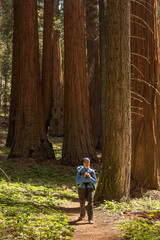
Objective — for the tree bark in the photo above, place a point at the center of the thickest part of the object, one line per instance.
(15, 75)
(56, 128)
(30, 138)
(114, 183)
(93, 71)
(47, 64)
(5, 96)
(1, 92)
(78, 142)
(157, 97)
(145, 71)
(102, 52)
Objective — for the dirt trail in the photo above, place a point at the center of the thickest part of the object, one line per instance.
(104, 227)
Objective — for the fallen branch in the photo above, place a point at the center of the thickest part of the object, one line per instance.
(5, 174)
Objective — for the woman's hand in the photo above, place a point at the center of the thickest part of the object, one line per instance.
(87, 175)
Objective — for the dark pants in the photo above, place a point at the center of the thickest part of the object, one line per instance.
(83, 195)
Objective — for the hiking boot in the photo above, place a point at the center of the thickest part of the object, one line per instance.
(90, 221)
(81, 218)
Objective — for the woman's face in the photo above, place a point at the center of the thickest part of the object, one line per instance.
(86, 164)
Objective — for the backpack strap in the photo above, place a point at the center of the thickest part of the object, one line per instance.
(92, 172)
(86, 184)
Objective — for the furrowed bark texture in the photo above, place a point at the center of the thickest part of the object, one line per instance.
(145, 113)
(30, 137)
(15, 75)
(102, 52)
(114, 181)
(56, 128)
(157, 97)
(94, 71)
(47, 65)
(77, 126)
(0, 94)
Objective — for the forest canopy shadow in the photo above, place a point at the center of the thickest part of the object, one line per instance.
(29, 171)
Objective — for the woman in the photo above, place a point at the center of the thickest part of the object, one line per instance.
(86, 180)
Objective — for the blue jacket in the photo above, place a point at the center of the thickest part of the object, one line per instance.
(80, 180)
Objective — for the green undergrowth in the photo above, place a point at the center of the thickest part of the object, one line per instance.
(141, 229)
(30, 205)
(57, 149)
(32, 212)
(4, 150)
(139, 218)
(39, 174)
(139, 204)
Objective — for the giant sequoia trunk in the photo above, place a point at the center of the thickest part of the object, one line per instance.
(157, 97)
(5, 95)
(93, 71)
(77, 128)
(30, 137)
(15, 75)
(114, 181)
(56, 128)
(1, 93)
(145, 60)
(47, 65)
(102, 52)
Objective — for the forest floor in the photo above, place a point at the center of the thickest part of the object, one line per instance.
(107, 218)
(104, 227)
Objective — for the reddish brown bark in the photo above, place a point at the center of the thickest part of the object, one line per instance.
(47, 64)
(77, 128)
(145, 60)
(0, 94)
(102, 52)
(93, 71)
(114, 183)
(157, 99)
(56, 123)
(30, 137)
(15, 75)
